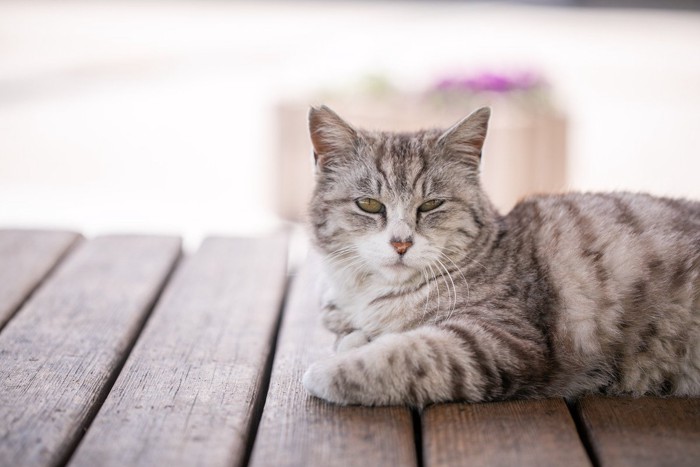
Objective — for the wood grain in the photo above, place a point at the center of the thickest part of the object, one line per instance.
(188, 392)
(642, 432)
(58, 356)
(297, 429)
(523, 433)
(26, 257)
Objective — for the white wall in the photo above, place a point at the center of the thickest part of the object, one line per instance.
(156, 116)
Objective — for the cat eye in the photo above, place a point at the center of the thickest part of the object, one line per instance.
(430, 205)
(370, 205)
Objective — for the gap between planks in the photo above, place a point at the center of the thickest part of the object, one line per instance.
(58, 353)
(645, 431)
(583, 434)
(27, 259)
(190, 391)
(298, 429)
(265, 383)
(118, 368)
(518, 432)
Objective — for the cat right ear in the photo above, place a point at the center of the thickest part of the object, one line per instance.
(330, 135)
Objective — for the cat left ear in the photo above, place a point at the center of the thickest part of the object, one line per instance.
(467, 136)
(330, 134)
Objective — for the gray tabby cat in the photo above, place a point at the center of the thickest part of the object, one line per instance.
(436, 297)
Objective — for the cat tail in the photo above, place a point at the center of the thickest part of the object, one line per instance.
(446, 362)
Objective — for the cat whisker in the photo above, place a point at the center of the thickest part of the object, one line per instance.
(447, 287)
(454, 289)
(437, 286)
(347, 261)
(340, 253)
(459, 270)
(364, 275)
(461, 253)
(354, 265)
(350, 261)
(339, 265)
(424, 273)
(342, 248)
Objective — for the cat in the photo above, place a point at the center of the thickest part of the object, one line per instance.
(437, 297)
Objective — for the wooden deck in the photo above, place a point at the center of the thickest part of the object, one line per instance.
(121, 351)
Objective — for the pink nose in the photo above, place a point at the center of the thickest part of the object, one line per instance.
(401, 247)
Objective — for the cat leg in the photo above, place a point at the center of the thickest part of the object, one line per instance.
(335, 319)
(338, 322)
(351, 340)
(417, 367)
(445, 362)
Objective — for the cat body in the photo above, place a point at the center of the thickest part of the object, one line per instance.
(436, 297)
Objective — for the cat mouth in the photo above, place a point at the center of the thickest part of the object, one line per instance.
(399, 272)
(397, 266)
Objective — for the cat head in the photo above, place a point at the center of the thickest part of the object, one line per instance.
(396, 206)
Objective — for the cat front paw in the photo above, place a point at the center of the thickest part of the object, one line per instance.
(320, 380)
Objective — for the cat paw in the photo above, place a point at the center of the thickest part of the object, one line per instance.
(319, 381)
(352, 340)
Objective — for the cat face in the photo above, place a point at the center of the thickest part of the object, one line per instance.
(396, 206)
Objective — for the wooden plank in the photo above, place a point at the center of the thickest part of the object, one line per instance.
(642, 432)
(26, 257)
(523, 433)
(298, 429)
(59, 356)
(188, 392)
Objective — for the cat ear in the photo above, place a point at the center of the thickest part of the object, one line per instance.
(467, 136)
(330, 134)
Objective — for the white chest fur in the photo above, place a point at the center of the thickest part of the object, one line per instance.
(369, 306)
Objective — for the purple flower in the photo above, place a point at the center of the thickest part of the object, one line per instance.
(490, 82)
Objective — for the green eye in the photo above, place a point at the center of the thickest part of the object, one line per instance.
(430, 205)
(370, 205)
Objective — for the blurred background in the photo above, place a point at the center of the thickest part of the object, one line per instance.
(189, 117)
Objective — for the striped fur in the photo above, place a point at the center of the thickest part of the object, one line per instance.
(565, 295)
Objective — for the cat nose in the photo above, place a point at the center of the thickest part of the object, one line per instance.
(401, 247)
